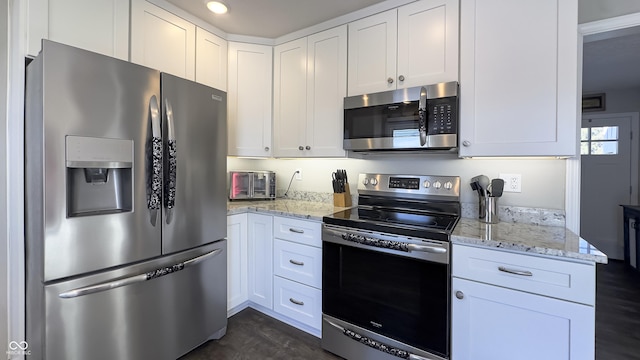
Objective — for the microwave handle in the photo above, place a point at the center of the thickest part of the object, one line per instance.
(422, 116)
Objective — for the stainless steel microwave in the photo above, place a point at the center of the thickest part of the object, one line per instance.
(252, 185)
(417, 118)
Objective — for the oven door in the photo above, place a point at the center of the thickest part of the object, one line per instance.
(388, 126)
(398, 289)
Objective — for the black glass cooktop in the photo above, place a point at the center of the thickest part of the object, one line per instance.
(407, 222)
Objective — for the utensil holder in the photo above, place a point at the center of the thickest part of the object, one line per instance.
(342, 199)
(488, 209)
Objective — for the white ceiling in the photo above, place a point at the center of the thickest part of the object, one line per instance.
(611, 63)
(271, 18)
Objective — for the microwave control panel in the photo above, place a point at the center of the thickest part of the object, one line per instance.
(442, 116)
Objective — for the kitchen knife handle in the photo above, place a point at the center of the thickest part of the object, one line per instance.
(171, 162)
(154, 161)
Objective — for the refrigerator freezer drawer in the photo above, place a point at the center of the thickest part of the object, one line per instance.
(159, 310)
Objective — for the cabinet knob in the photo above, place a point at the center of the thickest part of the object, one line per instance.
(460, 295)
(308, 147)
(300, 147)
(466, 143)
(390, 80)
(401, 77)
(266, 148)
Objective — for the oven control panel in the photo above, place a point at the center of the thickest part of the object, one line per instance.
(410, 184)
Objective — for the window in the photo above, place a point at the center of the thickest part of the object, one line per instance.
(601, 140)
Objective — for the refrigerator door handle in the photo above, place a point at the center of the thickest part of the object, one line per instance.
(92, 289)
(171, 164)
(154, 156)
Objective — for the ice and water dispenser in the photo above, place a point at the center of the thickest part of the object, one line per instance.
(99, 175)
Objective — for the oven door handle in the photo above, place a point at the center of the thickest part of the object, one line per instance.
(386, 244)
(429, 249)
(403, 354)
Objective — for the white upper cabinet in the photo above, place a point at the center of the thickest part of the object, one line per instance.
(162, 40)
(518, 78)
(100, 26)
(309, 89)
(249, 99)
(416, 44)
(211, 59)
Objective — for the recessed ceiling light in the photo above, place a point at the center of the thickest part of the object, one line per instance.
(217, 7)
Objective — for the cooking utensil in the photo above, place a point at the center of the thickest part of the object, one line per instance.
(484, 182)
(497, 186)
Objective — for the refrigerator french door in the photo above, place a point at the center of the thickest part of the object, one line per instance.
(125, 209)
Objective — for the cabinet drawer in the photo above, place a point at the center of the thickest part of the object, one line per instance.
(538, 275)
(297, 301)
(297, 262)
(300, 231)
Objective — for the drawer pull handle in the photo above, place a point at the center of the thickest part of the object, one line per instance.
(297, 302)
(515, 272)
(295, 262)
(297, 231)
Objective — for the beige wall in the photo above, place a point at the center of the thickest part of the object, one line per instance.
(543, 181)
(592, 10)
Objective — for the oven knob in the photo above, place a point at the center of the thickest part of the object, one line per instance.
(365, 181)
(437, 185)
(374, 181)
(448, 185)
(426, 184)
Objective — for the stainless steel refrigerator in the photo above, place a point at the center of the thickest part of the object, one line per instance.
(125, 209)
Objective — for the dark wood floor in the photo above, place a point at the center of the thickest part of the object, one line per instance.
(617, 312)
(252, 335)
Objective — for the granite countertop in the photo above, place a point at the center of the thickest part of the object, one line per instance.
(520, 237)
(533, 239)
(309, 210)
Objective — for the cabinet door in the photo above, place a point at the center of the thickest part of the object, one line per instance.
(326, 89)
(162, 40)
(427, 42)
(290, 98)
(249, 99)
(100, 26)
(491, 322)
(518, 78)
(260, 244)
(372, 53)
(211, 59)
(237, 252)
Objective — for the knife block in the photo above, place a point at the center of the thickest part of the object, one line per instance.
(342, 199)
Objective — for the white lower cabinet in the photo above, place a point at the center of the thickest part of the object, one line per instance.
(237, 250)
(297, 280)
(260, 259)
(298, 301)
(275, 263)
(512, 320)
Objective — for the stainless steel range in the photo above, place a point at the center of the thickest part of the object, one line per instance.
(386, 272)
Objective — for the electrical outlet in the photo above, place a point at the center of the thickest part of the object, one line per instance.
(298, 174)
(512, 182)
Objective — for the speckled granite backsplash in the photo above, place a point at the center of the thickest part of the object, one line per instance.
(521, 215)
(311, 196)
(510, 214)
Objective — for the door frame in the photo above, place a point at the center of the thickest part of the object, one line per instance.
(611, 27)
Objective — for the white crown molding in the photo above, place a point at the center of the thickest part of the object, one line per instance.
(610, 28)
